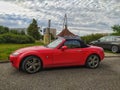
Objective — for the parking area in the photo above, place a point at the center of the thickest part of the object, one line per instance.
(106, 77)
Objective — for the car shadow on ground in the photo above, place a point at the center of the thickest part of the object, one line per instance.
(64, 68)
(103, 67)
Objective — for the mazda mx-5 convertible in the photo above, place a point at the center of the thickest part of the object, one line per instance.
(60, 53)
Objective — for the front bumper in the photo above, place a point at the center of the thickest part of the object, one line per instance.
(14, 61)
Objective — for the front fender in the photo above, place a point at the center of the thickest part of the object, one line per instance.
(22, 56)
(46, 58)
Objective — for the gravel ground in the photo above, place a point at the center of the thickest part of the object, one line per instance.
(106, 77)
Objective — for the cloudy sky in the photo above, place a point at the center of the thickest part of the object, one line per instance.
(84, 16)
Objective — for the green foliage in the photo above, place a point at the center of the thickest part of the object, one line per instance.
(22, 32)
(7, 49)
(13, 38)
(116, 34)
(32, 30)
(14, 31)
(4, 29)
(92, 37)
(17, 32)
(116, 28)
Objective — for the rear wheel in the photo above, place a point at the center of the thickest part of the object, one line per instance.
(31, 64)
(114, 49)
(93, 61)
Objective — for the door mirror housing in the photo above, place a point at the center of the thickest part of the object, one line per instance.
(64, 47)
(98, 40)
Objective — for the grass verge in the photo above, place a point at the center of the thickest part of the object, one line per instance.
(7, 49)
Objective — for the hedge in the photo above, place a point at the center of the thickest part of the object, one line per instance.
(88, 38)
(18, 39)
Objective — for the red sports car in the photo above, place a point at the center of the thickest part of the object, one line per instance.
(61, 52)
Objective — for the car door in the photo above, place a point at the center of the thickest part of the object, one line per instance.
(108, 42)
(69, 56)
(102, 42)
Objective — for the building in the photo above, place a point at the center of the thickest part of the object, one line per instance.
(65, 32)
(45, 30)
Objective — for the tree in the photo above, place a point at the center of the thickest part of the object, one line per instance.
(32, 30)
(116, 28)
(4, 29)
(14, 31)
(22, 32)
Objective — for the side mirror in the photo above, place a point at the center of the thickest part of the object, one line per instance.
(98, 40)
(64, 47)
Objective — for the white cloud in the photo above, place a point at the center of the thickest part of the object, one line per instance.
(89, 14)
(12, 8)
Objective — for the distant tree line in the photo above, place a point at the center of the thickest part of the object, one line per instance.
(116, 30)
(14, 36)
(88, 38)
(4, 30)
(92, 37)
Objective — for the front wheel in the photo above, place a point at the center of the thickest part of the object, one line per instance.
(31, 64)
(93, 61)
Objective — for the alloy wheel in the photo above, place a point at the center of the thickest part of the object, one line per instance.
(93, 61)
(32, 64)
(114, 49)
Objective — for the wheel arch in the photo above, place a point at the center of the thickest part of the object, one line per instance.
(93, 66)
(115, 45)
(22, 60)
(93, 54)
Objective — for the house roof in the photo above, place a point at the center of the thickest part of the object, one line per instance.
(66, 33)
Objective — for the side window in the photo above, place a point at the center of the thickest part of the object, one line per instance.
(102, 39)
(72, 44)
(107, 38)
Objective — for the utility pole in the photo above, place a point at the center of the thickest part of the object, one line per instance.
(49, 24)
(65, 22)
(47, 35)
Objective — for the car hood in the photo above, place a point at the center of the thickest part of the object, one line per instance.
(33, 48)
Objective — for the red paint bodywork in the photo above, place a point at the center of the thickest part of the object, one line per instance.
(55, 57)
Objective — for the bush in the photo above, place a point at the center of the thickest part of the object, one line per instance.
(116, 34)
(4, 29)
(91, 37)
(18, 39)
(17, 32)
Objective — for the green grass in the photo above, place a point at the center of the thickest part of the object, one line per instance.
(108, 51)
(7, 49)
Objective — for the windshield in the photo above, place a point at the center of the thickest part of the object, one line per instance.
(55, 43)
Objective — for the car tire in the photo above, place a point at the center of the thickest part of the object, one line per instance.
(114, 49)
(93, 61)
(31, 64)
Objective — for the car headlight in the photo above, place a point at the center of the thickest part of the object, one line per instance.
(15, 53)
